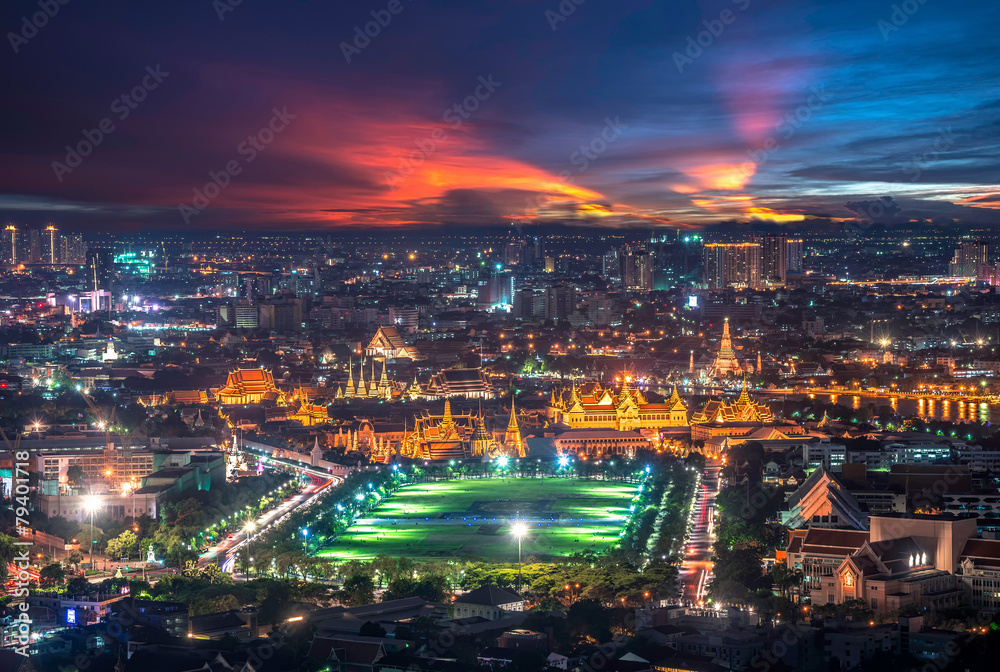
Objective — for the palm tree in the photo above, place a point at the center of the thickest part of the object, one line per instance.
(795, 581)
(782, 578)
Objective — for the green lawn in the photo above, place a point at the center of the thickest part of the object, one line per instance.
(432, 521)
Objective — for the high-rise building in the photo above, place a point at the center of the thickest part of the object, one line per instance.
(280, 315)
(512, 252)
(611, 268)
(677, 259)
(969, 256)
(638, 270)
(531, 254)
(72, 249)
(100, 269)
(599, 310)
(773, 258)
(732, 265)
(34, 246)
(560, 302)
(51, 245)
(497, 291)
(247, 316)
(12, 244)
(523, 303)
(796, 252)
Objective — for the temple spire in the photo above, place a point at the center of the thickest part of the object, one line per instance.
(744, 396)
(350, 377)
(726, 361)
(512, 437)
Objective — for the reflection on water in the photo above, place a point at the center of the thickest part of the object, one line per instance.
(935, 409)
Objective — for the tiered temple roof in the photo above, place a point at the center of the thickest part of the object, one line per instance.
(471, 383)
(387, 343)
(249, 386)
(744, 409)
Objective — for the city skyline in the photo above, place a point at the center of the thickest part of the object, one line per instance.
(631, 116)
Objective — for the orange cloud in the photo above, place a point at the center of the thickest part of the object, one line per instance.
(722, 176)
(769, 214)
(986, 201)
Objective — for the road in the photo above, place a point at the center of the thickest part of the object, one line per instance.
(224, 553)
(696, 570)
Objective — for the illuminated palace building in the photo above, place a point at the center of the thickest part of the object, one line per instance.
(453, 436)
(249, 386)
(594, 407)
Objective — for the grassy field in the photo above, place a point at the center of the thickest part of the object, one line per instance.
(451, 519)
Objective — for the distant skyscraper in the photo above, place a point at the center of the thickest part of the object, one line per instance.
(12, 244)
(773, 258)
(247, 316)
(677, 260)
(50, 245)
(970, 255)
(34, 246)
(638, 270)
(732, 265)
(560, 302)
(512, 252)
(76, 250)
(611, 267)
(496, 291)
(536, 250)
(100, 269)
(796, 252)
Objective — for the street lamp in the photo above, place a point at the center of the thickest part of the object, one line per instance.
(91, 503)
(305, 539)
(519, 530)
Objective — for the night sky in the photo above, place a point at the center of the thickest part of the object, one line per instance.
(478, 113)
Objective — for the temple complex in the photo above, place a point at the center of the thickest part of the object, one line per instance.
(743, 410)
(452, 436)
(594, 407)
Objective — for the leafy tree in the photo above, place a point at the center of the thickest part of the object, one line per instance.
(179, 556)
(7, 553)
(78, 585)
(432, 588)
(74, 474)
(124, 545)
(358, 590)
(52, 574)
(589, 621)
(214, 575)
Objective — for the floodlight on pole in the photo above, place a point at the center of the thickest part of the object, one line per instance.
(91, 503)
(519, 530)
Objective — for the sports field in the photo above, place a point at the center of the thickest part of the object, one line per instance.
(452, 519)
